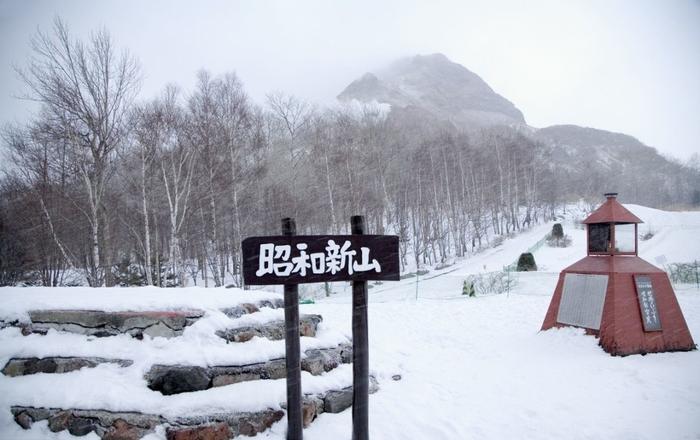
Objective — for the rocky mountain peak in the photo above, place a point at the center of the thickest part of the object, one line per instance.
(436, 84)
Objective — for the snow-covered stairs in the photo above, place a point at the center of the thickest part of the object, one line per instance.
(272, 330)
(110, 425)
(154, 323)
(175, 379)
(256, 327)
(56, 364)
(166, 324)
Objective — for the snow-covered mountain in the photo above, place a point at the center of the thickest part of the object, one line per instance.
(599, 159)
(575, 147)
(432, 92)
(438, 86)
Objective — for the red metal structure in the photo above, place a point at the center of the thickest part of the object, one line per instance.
(612, 293)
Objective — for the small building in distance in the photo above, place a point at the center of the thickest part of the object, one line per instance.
(628, 303)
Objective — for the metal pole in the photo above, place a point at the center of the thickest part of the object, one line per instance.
(292, 349)
(360, 350)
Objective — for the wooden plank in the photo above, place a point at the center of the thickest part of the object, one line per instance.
(320, 258)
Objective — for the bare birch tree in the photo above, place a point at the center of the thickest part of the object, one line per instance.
(234, 116)
(177, 159)
(87, 89)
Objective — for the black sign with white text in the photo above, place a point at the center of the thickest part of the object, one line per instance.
(647, 303)
(304, 259)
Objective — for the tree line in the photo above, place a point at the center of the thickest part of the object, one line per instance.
(104, 189)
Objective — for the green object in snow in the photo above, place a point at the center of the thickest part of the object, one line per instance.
(307, 301)
(468, 289)
(526, 263)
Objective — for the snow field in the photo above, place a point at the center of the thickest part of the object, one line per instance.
(471, 368)
(480, 368)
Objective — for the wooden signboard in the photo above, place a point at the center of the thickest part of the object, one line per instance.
(647, 303)
(292, 259)
(303, 259)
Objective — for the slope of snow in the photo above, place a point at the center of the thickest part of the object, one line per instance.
(676, 235)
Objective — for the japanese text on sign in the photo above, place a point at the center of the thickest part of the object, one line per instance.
(320, 258)
(276, 259)
(647, 303)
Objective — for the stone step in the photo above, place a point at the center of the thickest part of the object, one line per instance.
(98, 323)
(248, 308)
(26, 366)
(5, 324)
(110, 425)
(153, 323)
(333, 402)
(175, 379)
(273, 330)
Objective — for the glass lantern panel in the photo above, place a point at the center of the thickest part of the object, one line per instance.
(624, 238)
(598, 237)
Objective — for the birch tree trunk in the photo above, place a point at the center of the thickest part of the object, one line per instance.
(146, 228)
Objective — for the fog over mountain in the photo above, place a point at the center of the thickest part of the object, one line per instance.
(432, 91)
(446, 89)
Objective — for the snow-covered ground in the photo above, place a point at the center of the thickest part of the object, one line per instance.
(470, 367)
(479, 368)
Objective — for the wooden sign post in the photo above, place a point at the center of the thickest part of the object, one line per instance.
(360, 349)
(293, 259)
(292, 347)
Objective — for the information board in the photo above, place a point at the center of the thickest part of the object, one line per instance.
(647, 303)
(582, 300)
(302, 259)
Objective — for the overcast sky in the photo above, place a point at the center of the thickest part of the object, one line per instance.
(626, 66)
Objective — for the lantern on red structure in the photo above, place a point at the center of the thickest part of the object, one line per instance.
(612, 293)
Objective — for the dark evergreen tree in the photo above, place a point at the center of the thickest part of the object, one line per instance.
(557, 231)
(526, 263)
